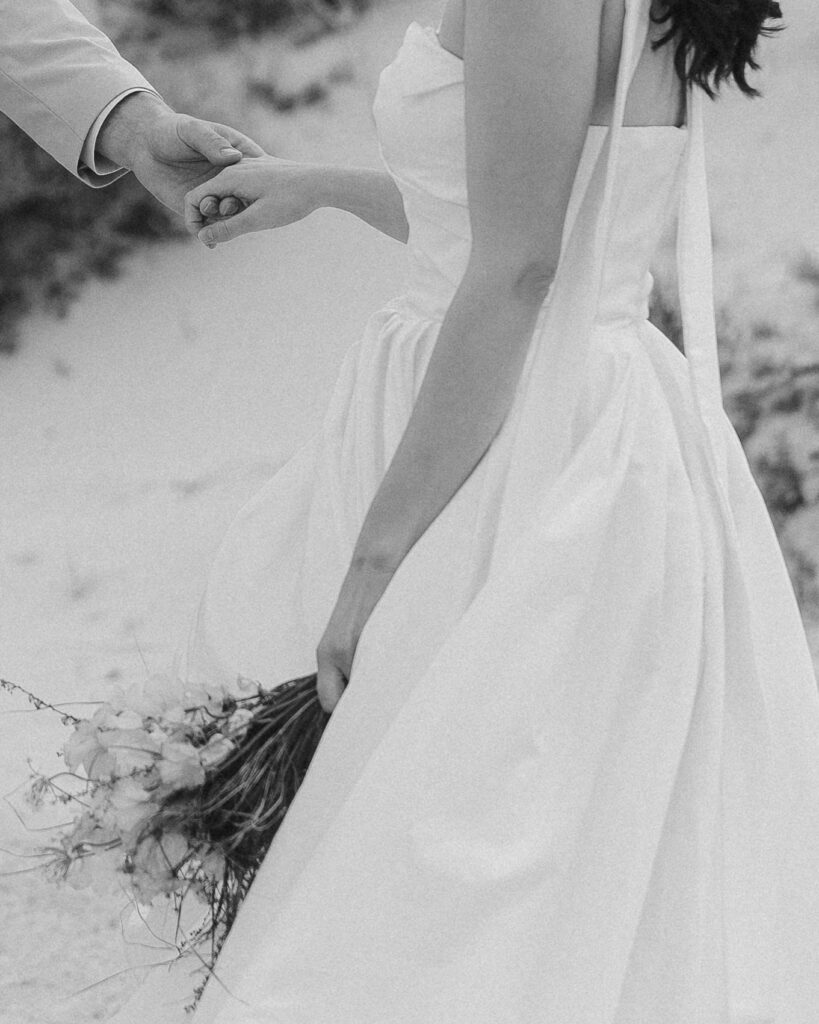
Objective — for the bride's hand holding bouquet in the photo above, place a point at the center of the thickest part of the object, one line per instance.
(365, 582)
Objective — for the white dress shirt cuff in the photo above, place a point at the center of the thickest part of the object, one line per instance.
(98, 170)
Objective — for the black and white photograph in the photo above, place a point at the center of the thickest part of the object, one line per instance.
(409, 536)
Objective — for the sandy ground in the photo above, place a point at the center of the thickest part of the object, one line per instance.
(135, 428)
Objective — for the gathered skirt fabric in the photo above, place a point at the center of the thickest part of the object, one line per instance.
(603, 762)
(574, 777)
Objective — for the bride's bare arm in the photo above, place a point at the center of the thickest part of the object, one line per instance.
(530, 87)
(530, 79)
(371, 195)
(274, 192)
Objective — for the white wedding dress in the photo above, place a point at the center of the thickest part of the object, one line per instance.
(574, 778)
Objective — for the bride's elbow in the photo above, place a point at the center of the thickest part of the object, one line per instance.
(527, 280)
(534, 280)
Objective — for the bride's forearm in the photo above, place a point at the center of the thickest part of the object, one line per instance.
(463, 400)
(370, 194)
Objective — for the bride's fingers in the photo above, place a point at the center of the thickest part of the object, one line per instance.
(229, 206)
(195, 220)
(212, 208)
(224, 229)
(330, 685)
(225, 184)
(209, 206)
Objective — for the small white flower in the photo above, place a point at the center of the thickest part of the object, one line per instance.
(91, 828)
(150, 697)
(85, 748)
(215, 750)
(213, 864)
(101, 811)
(132, 806)
(157, 733)
(108, 717)
(81, 744)
(78, 874)
(195, 697)
(239, 721)
(132, 748)
(128, 791)
(245, 685)
(84, 827)
(176, 846)
(97, 869)
(160, 857)
(126, 720)
(180, 766)
(173, 716)
(101, 766)
(145, 887)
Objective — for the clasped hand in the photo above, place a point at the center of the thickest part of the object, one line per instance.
(258, 193)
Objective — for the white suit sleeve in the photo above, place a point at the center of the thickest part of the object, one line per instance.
(58, 74)
(95, 169)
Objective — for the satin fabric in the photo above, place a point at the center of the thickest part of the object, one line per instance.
(574, 777)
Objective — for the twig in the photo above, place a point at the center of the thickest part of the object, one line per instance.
(28, 828)
(38, 702)
(116, 974)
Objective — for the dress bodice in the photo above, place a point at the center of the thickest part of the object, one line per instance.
(418, 110)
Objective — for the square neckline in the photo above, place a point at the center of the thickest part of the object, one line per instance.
(430, 33)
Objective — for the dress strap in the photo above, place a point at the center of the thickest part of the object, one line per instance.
(696, 290)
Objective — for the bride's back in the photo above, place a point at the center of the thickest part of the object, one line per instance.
(656, 96)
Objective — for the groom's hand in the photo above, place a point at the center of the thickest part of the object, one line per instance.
(169, 153)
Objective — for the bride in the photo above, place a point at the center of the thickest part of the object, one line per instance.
(571, 774)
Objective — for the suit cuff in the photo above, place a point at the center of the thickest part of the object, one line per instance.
(94, 169)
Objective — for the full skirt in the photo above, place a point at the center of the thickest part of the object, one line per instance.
(577, 787)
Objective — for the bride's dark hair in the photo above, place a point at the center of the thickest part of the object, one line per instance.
(715, 40)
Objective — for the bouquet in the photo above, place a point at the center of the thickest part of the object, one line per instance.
(183, 789)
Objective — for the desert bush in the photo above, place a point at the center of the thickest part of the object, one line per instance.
(55, 232)
(228, 19)
(770, 378)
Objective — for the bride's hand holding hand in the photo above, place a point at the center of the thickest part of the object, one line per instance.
(254, 195)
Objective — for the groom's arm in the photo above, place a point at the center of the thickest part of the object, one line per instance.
(60, 77)
(64, 83)
(96, 169)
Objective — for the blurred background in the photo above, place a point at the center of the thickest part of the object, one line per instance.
(148, 386)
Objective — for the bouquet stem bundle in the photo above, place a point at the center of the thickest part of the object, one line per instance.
(243, 801)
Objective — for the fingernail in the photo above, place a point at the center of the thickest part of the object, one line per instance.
(231, 151)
